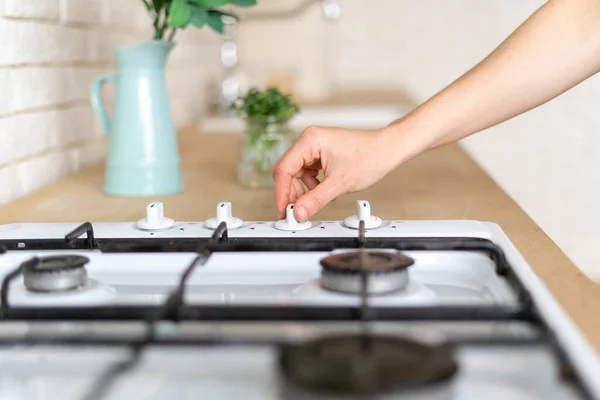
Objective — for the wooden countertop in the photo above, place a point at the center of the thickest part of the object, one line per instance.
(442, 184)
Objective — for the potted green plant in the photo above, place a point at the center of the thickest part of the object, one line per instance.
(266, 136)
(143, 158)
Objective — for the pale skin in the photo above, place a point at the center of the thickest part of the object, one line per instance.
(553, 50)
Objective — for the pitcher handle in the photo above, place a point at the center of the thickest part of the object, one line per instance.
(96, 98)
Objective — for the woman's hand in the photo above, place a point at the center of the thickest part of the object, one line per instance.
(351, 160)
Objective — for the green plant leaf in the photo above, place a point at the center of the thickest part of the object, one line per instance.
(179, 13)
(184, 26)
(215, 21)
(266, 103)
(147, 5)
(243, 3)
(210, 3)
(199, 16)
(158, 5)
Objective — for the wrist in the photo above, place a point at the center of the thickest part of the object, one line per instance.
(408, 137)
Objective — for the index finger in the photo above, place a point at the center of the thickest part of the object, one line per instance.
(287, 168)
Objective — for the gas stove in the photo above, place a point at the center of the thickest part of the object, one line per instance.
(226, 308)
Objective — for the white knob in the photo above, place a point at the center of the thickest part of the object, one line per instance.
(224, 214)
(363, 213)
(290, 223)
(155, 218)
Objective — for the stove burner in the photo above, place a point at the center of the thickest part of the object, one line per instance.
(355, 364)
(387, 271)
(56, 274)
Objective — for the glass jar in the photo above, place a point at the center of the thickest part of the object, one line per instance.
(262, 143)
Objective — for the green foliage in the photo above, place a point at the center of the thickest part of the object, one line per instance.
(179, 14)
(268, 103)
(267, 134)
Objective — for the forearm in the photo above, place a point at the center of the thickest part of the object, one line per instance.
(555, 49)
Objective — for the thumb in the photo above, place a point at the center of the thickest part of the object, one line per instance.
(313, 201)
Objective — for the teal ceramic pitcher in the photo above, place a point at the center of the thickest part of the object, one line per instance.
(143, 159)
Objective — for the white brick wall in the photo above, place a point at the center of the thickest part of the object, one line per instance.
(37, 43)
(547, 160)
(81, 11)
(51, 51)
(40, 9)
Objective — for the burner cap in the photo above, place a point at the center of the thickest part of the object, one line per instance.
(387, 271)
(355, 364)
(56, 273)
(374, 262)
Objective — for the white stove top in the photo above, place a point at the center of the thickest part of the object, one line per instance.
(37, 360)
(258, 278)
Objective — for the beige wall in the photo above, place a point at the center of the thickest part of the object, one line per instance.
(50, 50)
(290, 53)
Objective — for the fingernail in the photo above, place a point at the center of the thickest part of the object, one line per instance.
(302, 214)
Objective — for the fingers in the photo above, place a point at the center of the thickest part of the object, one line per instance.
(309, 178)
(289, 165)
(283, 175)
(287, 169)
(297, 190)
(314, 200)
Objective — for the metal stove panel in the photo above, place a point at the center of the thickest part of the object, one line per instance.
(258, 229)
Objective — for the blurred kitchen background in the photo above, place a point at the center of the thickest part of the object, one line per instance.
(383, 56)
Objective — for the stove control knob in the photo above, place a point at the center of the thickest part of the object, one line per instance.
(363, 213)
(290, 223)
(224, 215)
(155, 218)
